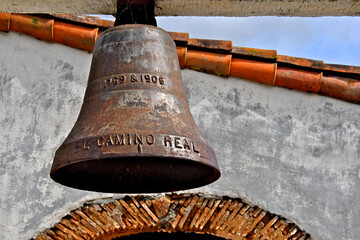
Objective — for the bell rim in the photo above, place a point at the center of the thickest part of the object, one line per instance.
(57, 175)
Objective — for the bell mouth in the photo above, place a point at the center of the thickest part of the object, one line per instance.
(136, 174)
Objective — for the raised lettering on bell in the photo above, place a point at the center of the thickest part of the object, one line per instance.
(180, 143)
(125, 139)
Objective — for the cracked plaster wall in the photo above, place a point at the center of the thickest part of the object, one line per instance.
(291, 153)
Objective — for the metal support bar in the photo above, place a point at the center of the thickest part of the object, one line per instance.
(135, 12)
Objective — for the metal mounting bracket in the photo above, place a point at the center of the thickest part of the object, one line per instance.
(135, 12)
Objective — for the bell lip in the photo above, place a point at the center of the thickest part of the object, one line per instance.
(214, 176)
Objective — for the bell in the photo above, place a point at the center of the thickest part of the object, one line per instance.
(135, 132)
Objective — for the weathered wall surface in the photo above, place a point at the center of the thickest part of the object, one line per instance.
(308, 8)
(41, 91)
(292, 153)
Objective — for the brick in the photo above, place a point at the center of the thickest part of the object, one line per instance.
(204, 211)
(206, 219)
(52, 234)
(129, 218)
(132, 213)
(118, 212)
(110, 220)
(203, 203)
(87, 229)
(147, 209)
(229, 218)
(76, 229)
(139, 214)
(95, 219)
(187, 211)
(89, 221)
(103, 221)
(113, 215)
(223, 207)
(61, 235)
(68, 232)
(161, 206)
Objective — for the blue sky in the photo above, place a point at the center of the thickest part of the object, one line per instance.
(331, 39)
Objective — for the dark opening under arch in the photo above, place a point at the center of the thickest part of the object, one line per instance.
(170, 236)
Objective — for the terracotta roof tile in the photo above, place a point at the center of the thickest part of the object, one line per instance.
(210, 44)
(75, 36)
(305, 81)
(301, 62)
(179, 36)
(89, 20)
(211, 56)
(38, 27)
(342, 68)
(5, 22)
(253, 70)
(215, 63)
(181, 51)
(342, 88)
(254, 52)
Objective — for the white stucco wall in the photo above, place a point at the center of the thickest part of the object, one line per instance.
(292, 153)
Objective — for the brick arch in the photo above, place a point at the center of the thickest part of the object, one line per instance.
(230, 218)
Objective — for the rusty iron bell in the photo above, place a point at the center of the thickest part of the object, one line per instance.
(135, 132)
